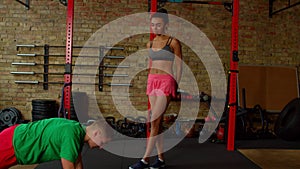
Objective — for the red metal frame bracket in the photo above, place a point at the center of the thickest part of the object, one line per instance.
(68, 65)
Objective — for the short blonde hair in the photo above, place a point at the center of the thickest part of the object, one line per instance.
(103, 126)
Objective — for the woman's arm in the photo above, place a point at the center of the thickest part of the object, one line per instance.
(150, 61)
(178, 59)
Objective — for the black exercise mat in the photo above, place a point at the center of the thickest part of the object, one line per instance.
(188, 154)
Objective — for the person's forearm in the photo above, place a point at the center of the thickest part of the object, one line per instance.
(67, 164)
(78, 164)
(68, 167)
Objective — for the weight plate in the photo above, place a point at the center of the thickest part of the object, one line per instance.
(9, 116)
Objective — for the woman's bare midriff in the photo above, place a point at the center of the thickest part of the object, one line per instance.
(161, 67)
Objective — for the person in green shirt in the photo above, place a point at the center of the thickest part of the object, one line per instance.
(50, 139)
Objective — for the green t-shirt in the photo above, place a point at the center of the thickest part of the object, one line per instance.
(47, 140)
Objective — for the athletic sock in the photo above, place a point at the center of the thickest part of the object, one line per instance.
(145, 162)
(160, 159)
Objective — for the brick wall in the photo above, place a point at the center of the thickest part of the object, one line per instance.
(262, 41)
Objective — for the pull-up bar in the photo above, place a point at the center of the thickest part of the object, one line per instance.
(201, 2)
(227, 5)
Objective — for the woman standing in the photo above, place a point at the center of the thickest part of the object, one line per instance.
(164, 52)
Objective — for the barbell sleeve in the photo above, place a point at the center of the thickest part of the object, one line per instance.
(28, 46)
(115, 75)
(27, 82)
(114, 57)
(24, 64)
(23, 73)
(26, 54)
(116, 66)
(119, 84)
(113, 48)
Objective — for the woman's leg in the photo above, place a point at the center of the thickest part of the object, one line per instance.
(160, 143)
(158, 107)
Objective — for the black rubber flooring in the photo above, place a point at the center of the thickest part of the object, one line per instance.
(188, 154)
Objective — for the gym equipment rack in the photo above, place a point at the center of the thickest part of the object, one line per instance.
(46, 56)
(233, 73)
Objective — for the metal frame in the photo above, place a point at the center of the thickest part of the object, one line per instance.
(68, 66)
(227, 5)
(232, 89)
(233, 76)
(46, 66)
(233, 67)
(153, 8)
(271, 4)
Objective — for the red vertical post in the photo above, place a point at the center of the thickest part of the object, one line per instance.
(233, 76)
(153, 8)
(68, 65)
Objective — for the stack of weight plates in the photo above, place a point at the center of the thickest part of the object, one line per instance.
(43, 109)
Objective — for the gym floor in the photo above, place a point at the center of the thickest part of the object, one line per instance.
(188, 154)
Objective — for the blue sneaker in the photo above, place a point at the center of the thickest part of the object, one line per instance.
(158, 164)
(139, 165)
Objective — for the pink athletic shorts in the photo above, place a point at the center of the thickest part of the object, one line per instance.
(7, 153)
(161, 85)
